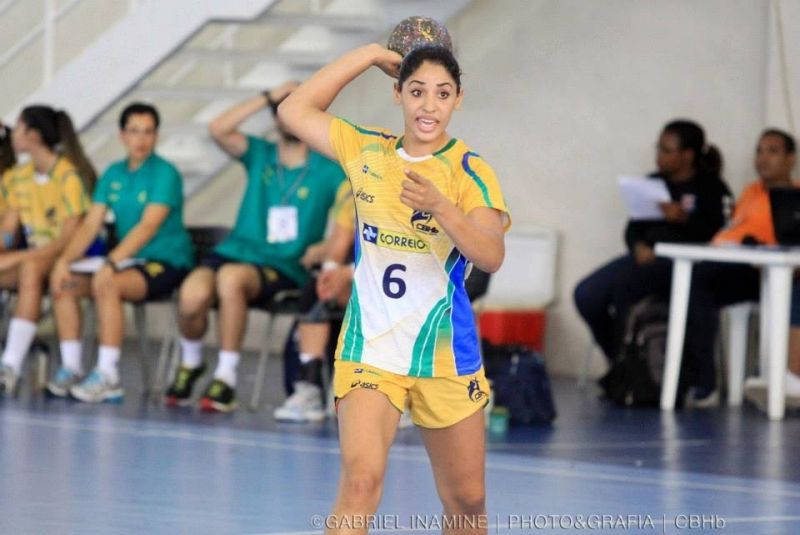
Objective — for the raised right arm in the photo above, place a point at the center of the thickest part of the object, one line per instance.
(304, 111)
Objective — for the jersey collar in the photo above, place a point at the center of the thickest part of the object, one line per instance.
(406, 156)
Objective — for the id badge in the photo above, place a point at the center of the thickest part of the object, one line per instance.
(281, 224)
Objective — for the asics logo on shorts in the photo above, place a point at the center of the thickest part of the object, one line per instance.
(364, 384)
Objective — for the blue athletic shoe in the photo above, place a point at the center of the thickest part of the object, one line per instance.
(97, 389)
(64, 380)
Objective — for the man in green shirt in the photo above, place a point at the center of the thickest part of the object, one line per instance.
(145, 194)
(284, 210)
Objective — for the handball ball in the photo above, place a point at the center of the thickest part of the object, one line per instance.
(418, 31)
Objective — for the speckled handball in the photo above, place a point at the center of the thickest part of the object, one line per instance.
(418, 31)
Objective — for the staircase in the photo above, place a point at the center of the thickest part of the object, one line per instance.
(191, 58)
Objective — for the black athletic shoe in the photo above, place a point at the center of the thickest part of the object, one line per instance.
(180, 391)
(219, 397)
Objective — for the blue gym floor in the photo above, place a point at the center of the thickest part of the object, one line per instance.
(136, 468)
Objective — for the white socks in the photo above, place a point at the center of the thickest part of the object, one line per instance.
(305, 358)
(226, 367)
(71, 353)
(107, 360)
(191, 353)
(20, 337)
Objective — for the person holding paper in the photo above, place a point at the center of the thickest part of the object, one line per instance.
(45, 201)
(145, 194)
(690, 169)
(284, 210)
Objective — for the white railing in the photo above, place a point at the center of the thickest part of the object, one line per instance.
(46, 33)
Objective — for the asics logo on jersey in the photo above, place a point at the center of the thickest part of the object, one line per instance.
(420, 221)
(364, 196)
(394, 240)
(474, 391)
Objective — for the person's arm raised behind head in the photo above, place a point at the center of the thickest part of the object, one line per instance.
(225, 128)
(304, 113)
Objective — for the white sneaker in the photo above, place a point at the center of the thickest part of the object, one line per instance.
(95, 388)
(305, 405)
(697, 399)
(758, 395)
(755, 381)
(9, 381)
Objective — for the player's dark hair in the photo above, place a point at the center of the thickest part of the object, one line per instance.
(58, 134)
(433, 54)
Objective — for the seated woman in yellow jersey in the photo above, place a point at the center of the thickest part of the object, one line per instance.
(145, 193)
(331, 288)
(46, 197)
(284, 210)
(427, 205)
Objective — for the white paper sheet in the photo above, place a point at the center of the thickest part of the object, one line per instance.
(92, 264)
(642, 196)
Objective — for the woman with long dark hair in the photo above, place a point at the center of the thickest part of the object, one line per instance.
(47, 197)
(690, 168)
(426, 205)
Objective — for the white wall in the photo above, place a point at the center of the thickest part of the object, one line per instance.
(564, 95)
(777, 108)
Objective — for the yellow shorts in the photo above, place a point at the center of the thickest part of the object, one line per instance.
(434, 402)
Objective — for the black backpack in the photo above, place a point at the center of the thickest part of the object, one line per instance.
(635, 376)
(520, 383)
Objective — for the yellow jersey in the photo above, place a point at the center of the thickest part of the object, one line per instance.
(409, 313)
(44, 202)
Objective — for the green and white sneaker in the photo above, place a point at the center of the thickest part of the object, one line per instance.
(180, 391)
(220, 397)
(63, 380)
(96, 389)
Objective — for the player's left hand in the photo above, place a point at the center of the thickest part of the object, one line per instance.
(421, 194)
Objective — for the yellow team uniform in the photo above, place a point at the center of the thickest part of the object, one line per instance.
(44, 202)
(343, 211)
(409, 328)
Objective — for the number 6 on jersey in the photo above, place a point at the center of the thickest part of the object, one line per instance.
(394, 287)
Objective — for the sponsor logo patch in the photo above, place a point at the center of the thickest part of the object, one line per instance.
(422, 222)
(394, 240)
(474, 391)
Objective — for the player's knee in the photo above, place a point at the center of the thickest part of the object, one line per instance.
(230, 284)
(362, 487)
(104, 287)
(194, 299)
(468, 498)
(31, 276)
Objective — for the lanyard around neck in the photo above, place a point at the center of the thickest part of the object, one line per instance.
(279, 173)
